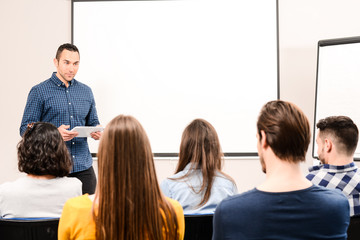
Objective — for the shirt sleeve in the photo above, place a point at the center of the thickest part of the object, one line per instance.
(65, 223)
(165, 188)
(235, 190)
(179, 217)
(32, 111)
(92, 118)
(217, 227)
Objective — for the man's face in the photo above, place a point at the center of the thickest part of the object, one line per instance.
(261, 157)
(67, 66)
(320, 150)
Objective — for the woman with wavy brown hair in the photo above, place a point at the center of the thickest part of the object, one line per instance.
(128, 203)
(199, 184)
(42, 192)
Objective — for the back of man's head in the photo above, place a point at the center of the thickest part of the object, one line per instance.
(342, 130)
(287, 130)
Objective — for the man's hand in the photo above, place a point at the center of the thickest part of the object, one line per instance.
(96, 135)
(66, 135)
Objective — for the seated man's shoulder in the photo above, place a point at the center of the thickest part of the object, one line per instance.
(240, 199)
(336, 195)
(329, 191)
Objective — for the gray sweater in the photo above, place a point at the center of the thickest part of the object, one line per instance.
(33, 198)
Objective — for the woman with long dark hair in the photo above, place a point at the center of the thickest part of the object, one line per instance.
(128, 203)
(199, 184)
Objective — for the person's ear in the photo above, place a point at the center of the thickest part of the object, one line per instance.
(263, 141)
(56, 62)
(328, 145)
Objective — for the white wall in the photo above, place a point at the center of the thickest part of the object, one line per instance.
(32, 30)
(302, 24)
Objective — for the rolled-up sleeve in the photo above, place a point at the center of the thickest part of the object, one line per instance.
(32, 111)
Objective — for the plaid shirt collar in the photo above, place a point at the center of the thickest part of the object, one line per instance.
(334, 169)
(58, 82)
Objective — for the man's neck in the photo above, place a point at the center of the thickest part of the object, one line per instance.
(283, 176)
(339, 160)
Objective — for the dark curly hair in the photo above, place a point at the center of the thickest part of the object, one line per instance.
(42, 151)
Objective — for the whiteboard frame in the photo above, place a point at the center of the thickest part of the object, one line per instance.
(226, 154)
(325, 43)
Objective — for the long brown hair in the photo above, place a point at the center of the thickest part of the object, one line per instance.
(130, 203)
(201, 148)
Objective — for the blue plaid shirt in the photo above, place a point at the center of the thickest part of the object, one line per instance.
(50, 101)
(346, 178)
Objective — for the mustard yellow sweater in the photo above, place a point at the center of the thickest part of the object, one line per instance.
(76, 221)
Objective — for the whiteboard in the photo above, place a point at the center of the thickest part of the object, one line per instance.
(169, 62)
(338, 82)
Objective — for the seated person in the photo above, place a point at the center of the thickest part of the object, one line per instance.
(128, 203)
(199, 184)
(43, 155)
(286, 205)
(337, 140)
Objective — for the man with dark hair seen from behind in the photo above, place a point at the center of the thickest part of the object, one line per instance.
(66, 103)
(337, 139)
(286, 205)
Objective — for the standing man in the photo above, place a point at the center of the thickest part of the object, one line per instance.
(337, 140)
(286, 205)
(66, 103)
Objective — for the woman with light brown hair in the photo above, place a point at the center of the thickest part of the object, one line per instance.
(128, 203)
(199, 184)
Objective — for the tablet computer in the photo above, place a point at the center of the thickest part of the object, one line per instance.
(84, 131)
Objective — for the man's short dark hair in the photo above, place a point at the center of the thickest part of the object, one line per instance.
(287, 130)
(343, 130)
(42, 151)
(67, 46)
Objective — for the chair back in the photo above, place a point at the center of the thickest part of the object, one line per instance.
(198, 227)
(353, 231)
(29, 229)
